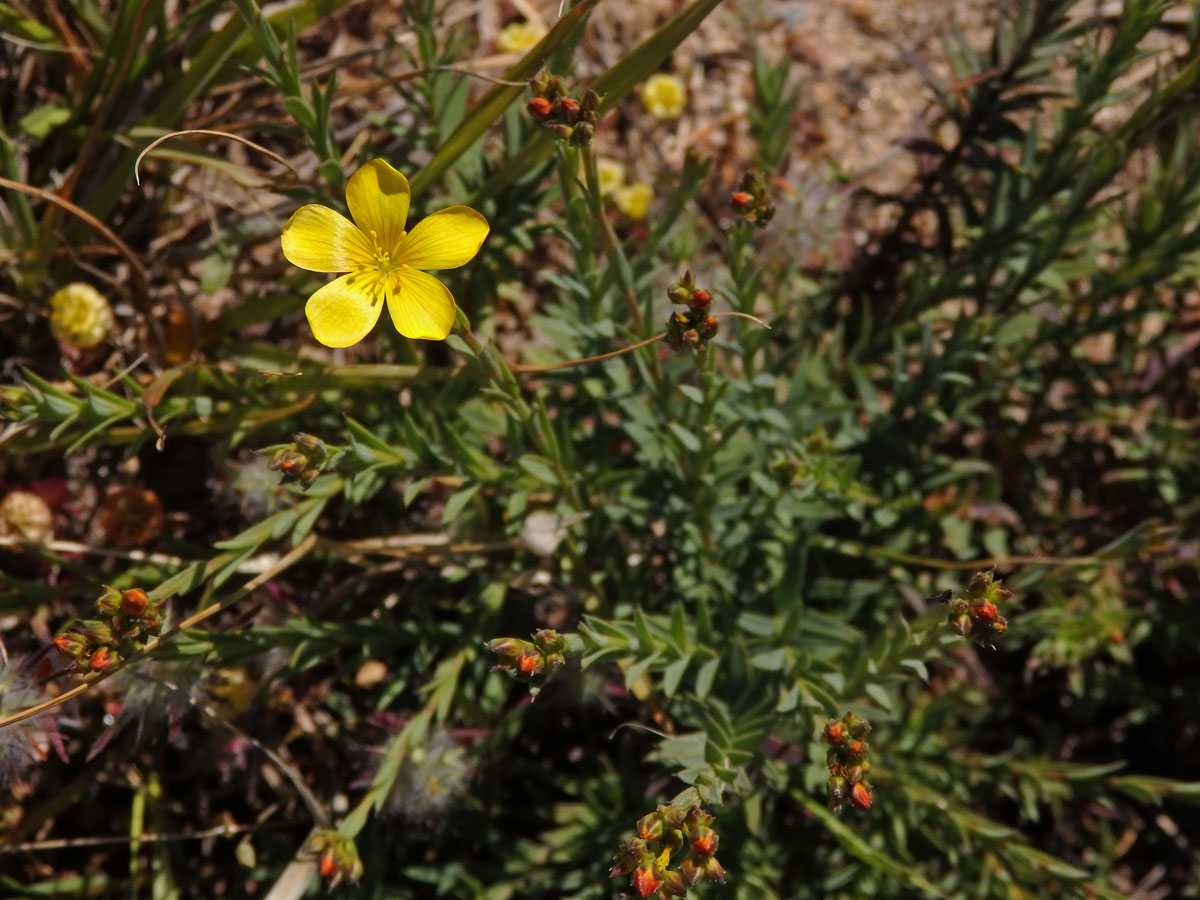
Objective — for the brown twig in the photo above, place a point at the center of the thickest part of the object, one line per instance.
(137, 176)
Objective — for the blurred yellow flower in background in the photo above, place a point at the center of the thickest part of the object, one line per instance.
(634, 199)
(383, 262)
(518, 37)
(80, 316)
(664, 96)
(610, 174)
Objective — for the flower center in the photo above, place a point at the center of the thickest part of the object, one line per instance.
(385, 262)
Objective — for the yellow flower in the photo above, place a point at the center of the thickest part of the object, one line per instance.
(518, 36)
(664, 96)
(80, 316)
(382, 261)
(610, 174)
(634, 199)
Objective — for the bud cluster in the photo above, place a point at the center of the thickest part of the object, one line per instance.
(302, 460)
(752, 200)
(129, 620)
(695, 327)
(528, 659)
(848, 763)
(338, 857)
(975, 616)
(573, 121)
(661, 834)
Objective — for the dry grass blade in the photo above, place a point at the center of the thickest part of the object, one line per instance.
(212, 133)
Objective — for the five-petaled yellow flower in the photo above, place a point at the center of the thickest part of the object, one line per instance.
(383, 262)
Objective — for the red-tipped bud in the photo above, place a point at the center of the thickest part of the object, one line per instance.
(645, 881)
(834, 732)
(529, 662)
(999, 626)
(328, 864)
(650, 827)
(857, 748)
(102, 659)
(985, 612)
(71, 643)
(705, 842)
(710, 323)
(540, 107)
(860, 796)
(566, 110)
(134, 602)
(701, 299)
(741, 199)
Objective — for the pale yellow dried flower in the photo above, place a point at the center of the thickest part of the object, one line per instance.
(634, 199)
(25, 515)
(664, 96)
(518, 37)
(80, 316)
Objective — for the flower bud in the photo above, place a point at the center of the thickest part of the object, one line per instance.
(102, 659)
(540, 108)
(566, 110)
(549, 641)
(72, 643)
(645, 881)
(673, 884)
(650, 827)
(631, 854)
(691, 870)
(858, 727)
(856, 749)
(591, 102)
(833, 732)
(581, 136)
(958, 606)
(713, 870)
(328, 864)
(979, 584)
(529, 662)
(562, 132)
(741, 200)
(854, 775)
(308, 443)
(835, 788)
(999, 626)
(110, 603)
(961, 624)
(705, 842)
(510, 647)
(860, 796)
(134, 602)
(97, 632)
(985, 612)
(700, 299)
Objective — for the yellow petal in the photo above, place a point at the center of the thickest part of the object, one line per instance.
(320, 240)
(378, 199)
(345, 310)
(446, 239)
(422, 307)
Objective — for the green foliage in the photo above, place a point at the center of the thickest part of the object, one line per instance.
(735, 543)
